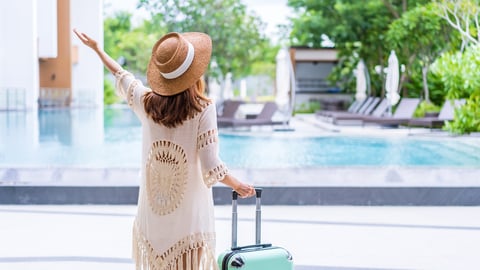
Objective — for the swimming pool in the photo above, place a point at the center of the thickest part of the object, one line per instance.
(112, 138)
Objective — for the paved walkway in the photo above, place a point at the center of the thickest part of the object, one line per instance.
(94, 237)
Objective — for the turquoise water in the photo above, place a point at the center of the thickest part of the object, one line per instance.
(346, 151)
(112, 138)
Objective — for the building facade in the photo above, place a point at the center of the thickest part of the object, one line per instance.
(312, 67)
(41, 61)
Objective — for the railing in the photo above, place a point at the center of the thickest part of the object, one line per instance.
(312, 85)
(84, 98)
(13, 98)
(54, 97)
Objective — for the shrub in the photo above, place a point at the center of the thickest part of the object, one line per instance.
(426, 107)
(459, 73)
(307, 107)
(109, 95)
(467, 117)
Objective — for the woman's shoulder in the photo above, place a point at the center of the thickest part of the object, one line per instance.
(207, 104)
(207, 107)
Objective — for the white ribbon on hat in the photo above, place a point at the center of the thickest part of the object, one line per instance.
(184, 66)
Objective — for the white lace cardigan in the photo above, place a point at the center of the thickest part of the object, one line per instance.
(174, 227)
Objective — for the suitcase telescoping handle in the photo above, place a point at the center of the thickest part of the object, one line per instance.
(258, 216)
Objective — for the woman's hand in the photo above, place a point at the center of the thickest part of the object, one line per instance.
(244, 190)
(86, 39)
(109, 63)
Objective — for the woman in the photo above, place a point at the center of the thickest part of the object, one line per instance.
(174, 225)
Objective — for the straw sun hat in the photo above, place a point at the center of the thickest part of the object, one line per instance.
(178, 61)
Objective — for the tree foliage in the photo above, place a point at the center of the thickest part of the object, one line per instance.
(358, 29)
(459, 70)
(131, 47)
(463, 16)
(109, 95)
(236, 35)
(113, 28)
(411, 36)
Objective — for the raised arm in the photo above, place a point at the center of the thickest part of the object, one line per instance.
(109, 63)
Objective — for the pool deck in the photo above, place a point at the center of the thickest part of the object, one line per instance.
(78, 237)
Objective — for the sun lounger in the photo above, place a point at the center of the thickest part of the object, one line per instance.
(377, 108)
(403, 113)
(264, 118)
(446, 114)
(365, 107)
(353, 108)
(229, 110)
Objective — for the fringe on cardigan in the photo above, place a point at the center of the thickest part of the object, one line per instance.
(193, 252)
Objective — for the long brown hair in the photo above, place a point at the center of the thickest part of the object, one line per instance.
(171, 111)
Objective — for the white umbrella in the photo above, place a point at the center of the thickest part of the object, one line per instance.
(227, 87)
(392, 80)
(285, 82)
(360, 75)
(243, 88)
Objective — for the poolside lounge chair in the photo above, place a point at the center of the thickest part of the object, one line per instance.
(264, 118)
(376, 108)
(446, 114)
(369, 105)
(361, 108)
(403, 113)
(229, 110)
(353, 108)
(367, 108)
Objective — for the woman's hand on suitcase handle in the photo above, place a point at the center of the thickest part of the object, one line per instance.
(243, 190)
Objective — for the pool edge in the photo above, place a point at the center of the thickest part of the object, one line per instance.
(360, 196)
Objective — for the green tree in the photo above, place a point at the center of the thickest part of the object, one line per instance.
(412, 36)
(132, 47)
(237, 36)
(459, 70)
(463, 16)
(109, 95)
(459, 73)
(113, 29)
(358, 29)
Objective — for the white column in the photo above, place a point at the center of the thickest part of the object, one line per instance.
(47, 29)
(19, 53)
(87, 73)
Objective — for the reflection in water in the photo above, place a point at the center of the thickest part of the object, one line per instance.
(51, 137)
(120, 118)
(18, 127)
(55, 126)
(69, 127)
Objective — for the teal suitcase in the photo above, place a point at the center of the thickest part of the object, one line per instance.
(253, 257)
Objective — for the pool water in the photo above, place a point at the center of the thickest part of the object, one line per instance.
(346, 151)
(112, 138)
